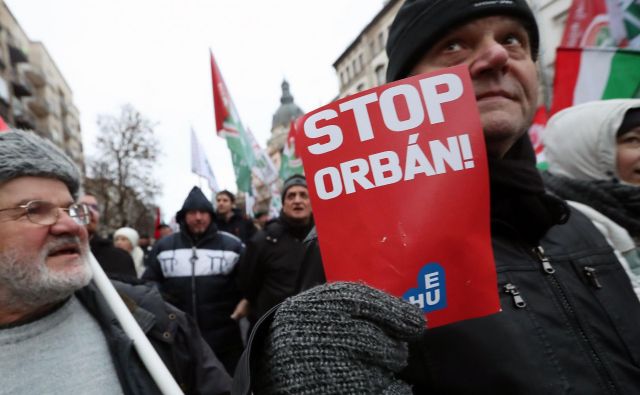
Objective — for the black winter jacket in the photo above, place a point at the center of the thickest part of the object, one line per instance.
(569, 324)
(238, 225)
(171, 332)
(269, 271)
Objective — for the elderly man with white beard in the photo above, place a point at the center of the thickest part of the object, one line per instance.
(57, 332)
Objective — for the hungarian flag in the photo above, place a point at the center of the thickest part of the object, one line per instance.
(290, 163)
(586, 74)
(229, 126)
(156, 233)
(587, 25)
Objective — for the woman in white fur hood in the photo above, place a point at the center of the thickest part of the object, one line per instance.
(127, 239)
(593, 152)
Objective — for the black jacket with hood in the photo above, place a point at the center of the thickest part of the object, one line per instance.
(198, 275)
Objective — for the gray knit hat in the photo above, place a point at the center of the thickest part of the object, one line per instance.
(296, 179)
(24, 154)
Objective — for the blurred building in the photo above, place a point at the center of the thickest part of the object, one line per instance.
(363, 64)
(33, 93)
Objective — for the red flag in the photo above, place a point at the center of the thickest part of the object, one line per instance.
(156, 233)
(587, 24)
(221, 99)
(3, 125)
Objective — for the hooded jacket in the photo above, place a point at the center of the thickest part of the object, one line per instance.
(580, 148)
(238, 225)
(198, 275)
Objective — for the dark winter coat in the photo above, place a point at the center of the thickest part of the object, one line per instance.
(171, 332)
(573, 327)
(269, 271)
(198, 277)
(115, 262)
(238, 225)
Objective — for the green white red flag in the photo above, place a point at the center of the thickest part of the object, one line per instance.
(586, 74)
(290, 163)
(229, 126)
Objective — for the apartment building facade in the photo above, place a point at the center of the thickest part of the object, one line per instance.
(33, 92)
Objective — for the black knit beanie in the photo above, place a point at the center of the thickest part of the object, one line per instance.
(631, 120)
(420, 23)
(296, 179)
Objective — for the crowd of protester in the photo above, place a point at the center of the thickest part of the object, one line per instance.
(196, 291)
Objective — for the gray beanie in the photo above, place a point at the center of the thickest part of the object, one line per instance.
(420, 23)
(24, 154)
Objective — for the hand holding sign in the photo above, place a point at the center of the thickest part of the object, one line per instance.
(399, 185)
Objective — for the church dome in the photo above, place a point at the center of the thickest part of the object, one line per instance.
(287, 111)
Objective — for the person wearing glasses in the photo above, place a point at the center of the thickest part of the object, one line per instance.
(58, 335)
(117, 263)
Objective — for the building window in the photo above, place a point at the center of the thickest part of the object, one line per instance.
(354, 64)
(361, 60)
(360, 87)
(381, 40)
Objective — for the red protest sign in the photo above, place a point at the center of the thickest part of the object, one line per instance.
(399, 187)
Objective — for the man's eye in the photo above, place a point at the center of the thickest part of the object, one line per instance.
(453, 46)
(513, 39)
(39, 208)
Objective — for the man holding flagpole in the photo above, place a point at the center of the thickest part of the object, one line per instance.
(58, 330)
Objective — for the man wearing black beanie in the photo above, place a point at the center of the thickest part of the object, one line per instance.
(569, 318)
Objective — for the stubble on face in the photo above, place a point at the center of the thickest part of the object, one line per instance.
(26, 281)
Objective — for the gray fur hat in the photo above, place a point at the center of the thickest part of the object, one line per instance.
(24, 154)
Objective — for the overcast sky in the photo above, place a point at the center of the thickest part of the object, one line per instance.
(154, 54)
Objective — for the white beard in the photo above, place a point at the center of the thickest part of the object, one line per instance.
(26, 280)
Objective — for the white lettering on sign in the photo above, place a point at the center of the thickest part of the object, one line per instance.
(385, 167)
(434, 92)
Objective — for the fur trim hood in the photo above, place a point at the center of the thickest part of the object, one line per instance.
(580, 141)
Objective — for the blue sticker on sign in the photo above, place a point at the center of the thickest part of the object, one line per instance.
(431, 293)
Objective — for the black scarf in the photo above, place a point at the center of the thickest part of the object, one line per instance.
(619, 202)
(518, 198)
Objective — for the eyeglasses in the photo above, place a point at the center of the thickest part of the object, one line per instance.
(92, 206)
(46, 213)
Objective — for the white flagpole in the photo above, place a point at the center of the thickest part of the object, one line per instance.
(156, 368)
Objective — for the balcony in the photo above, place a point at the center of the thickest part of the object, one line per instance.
(23, 119)
(34, 75)
(21, 87)
(39, 106)
(16, 54)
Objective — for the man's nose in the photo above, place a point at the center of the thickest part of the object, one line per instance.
(491, 56)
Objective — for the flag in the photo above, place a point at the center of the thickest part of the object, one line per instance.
(624, 21)
(290, 163)
(587, 25)
(586, 74)
(263, 166)
(200, 164)
(3, 125)
(156, 232)
(535, 134)
(229, 126)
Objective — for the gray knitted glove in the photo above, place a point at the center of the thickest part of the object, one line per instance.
(339, 338)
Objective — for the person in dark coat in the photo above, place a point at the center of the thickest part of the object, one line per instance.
(269, 272)
(569, 316)
(195, 270)
(230, 219)
(118, 264)
(58, 333)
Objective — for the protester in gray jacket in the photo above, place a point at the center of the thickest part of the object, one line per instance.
(58, 335)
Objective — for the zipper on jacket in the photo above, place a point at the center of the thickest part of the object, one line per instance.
(544, 260)
(576, 324)
(515, 295)
(592, 276)
(194, 306)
